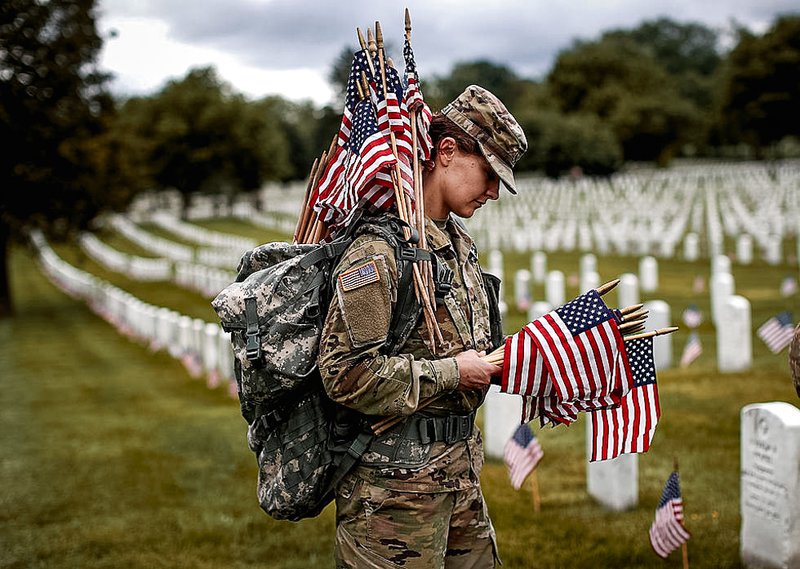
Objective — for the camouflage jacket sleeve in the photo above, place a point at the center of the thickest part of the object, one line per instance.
(353, 371)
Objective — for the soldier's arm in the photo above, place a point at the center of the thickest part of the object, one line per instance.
(353, 371)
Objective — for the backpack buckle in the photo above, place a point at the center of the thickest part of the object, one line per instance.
(253, 346)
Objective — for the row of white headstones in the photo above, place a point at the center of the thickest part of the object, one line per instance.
(203, 347)
(770, 441)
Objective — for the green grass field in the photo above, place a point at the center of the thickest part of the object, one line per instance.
(113, 457)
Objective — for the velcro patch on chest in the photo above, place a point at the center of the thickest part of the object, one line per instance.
(359, 276)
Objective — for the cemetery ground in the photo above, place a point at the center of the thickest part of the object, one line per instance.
(112, 456)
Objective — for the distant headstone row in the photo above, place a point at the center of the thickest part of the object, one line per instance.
(204, 348)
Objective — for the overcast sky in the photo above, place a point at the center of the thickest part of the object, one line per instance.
(287, 47)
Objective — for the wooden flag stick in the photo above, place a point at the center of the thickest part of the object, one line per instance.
(628, 324)
(629, 309)
(308, 224)
(659, 332)
(604, 288)
(537, 499)
(364, 46)
(304, 213)
(638, 315)
(634, 329)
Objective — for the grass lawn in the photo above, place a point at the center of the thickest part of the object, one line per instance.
(113, 457)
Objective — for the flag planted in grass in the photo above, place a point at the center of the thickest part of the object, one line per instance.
(788, 286)
(691, 350)
(521, 455)
(777, 332)
(667, 532)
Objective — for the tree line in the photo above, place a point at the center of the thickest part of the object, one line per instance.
(661, 90)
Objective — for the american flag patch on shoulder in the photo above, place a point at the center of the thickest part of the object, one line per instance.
(359, 276)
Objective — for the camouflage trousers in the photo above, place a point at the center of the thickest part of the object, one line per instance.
(380, 528)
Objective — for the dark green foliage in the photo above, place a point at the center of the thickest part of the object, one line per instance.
(761, 91)
(60, 166)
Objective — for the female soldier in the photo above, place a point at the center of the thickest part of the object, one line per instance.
(414, 499)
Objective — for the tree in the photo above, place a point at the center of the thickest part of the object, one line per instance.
(761, 91)
(498, 79)
(618, 82)
(196, 136)
(689, 52)
(59, 157)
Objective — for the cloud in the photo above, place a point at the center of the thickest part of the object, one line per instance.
(289, 38)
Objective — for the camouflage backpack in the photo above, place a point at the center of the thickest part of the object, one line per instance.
(304, 442)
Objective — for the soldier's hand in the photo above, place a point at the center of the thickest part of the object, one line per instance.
(474, 373)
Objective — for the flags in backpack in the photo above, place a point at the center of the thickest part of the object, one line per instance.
(692, 316)
(521, 455)
(777, 332)
(361, 153)
(415, 102)
(630, 426)
(692, 350)
(667, 532)
(788, 286)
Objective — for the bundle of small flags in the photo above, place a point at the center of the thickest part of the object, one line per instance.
(521, 455)
(575, 359)
(777, 332)
(667, 532)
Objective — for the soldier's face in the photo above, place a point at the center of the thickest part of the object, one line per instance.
(471, 183)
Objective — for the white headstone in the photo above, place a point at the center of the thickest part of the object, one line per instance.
(613, 483)
(589, 281)
(496, 263)
(770, 485)
(744, 249)
(501, 417)
(538, 309)
(225, 356)
(648, 274)
(722, 288)
(210, 347)
(659, 317)
(773, 251)
(588, 264)
(628, 290)
(691, 247)
(522, 289)
(734, 336)
(720, 264)
(554, 288)
(496, 268)
(539, 266)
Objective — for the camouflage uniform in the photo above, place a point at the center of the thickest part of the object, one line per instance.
(794, 359)
(418, 504)
(410, 503)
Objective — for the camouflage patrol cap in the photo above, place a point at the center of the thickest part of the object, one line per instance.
(498, 134)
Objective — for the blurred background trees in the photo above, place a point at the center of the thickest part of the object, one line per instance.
(655, 92)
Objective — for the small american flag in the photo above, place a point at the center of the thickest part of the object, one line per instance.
(667, 532)
(788, 286)
(630, 426)
(415, 101)
(521, 455)
(692, 316)
(777, 332)
(698, 284)
(691, 350)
